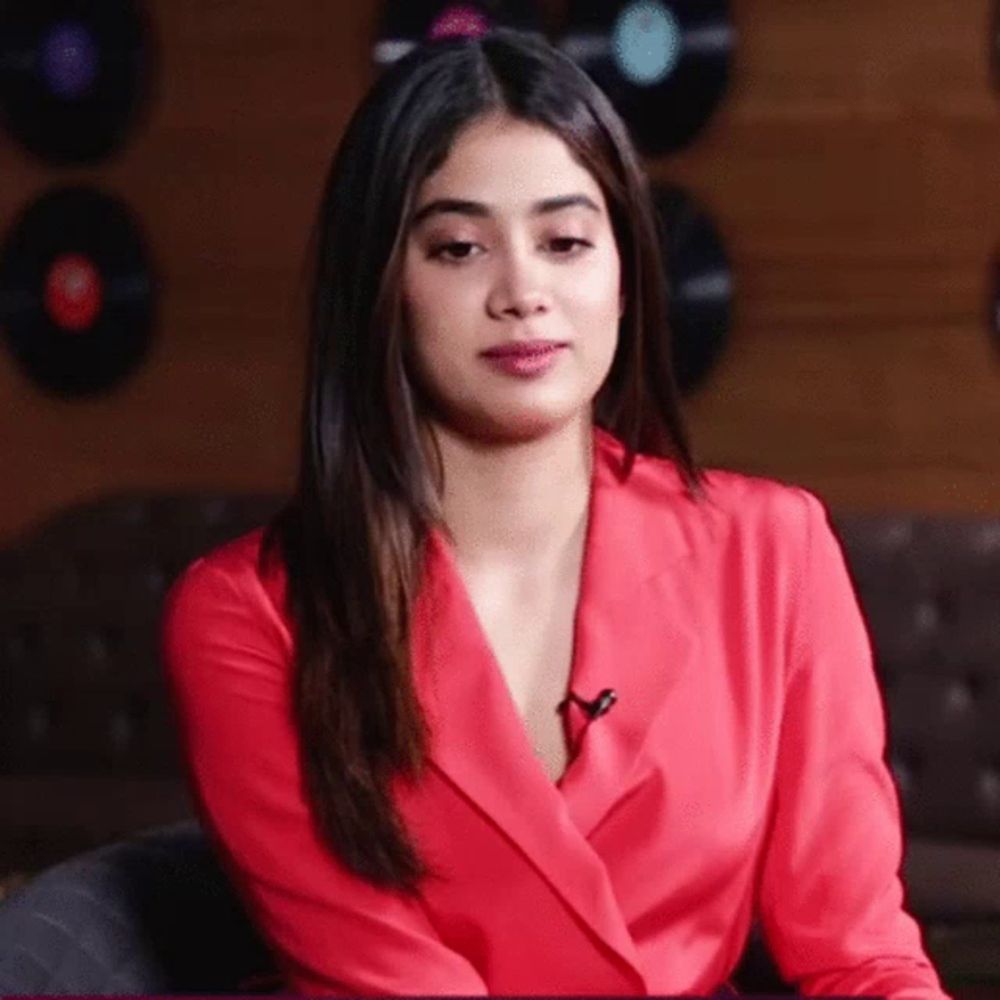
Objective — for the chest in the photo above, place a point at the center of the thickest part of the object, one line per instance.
(530, 633)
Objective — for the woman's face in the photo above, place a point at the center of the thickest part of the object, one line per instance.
(495, 269)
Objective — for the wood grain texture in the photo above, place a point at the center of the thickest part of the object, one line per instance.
(852, 171)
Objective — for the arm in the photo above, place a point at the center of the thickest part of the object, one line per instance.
(831, 899)
(227, 665)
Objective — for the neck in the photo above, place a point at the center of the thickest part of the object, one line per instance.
(518, 508)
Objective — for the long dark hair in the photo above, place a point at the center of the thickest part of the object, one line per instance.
(352, 534)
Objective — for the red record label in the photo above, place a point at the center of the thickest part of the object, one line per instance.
(73, 292)
(460, 20)
(76, 291)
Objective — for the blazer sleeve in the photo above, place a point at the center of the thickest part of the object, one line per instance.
(330, 931)
(831, 899)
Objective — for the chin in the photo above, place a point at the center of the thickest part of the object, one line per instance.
(532, 425)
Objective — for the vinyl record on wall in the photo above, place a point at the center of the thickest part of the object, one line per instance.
(74, 75)
(664, 64)
(700, 285)
(407, 23)
(76, 295)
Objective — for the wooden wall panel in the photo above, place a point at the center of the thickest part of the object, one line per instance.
(852, 170)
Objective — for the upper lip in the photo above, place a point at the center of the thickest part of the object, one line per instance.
(523, 346)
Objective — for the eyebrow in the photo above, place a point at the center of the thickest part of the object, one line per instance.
(477, 209)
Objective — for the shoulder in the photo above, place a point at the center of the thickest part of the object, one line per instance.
(739, 507)
(733, 503)
(761, 503)
(229, 565)
(229, 583)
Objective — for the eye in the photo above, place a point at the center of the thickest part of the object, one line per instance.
(443, 250)
(440, 250)
(573, 241)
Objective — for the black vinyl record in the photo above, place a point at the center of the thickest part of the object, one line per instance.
(73, 75)
(407, 23)
(699, 279)
(664, 64)
(75, 291)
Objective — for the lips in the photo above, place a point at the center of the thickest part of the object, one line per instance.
(523, 348)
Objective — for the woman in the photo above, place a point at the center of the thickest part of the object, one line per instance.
(511, 697)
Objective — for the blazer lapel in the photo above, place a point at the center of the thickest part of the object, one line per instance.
(630, 635)
(631, 630)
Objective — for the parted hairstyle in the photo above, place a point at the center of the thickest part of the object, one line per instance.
(368, 490)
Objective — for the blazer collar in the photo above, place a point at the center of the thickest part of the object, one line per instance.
(630, 635)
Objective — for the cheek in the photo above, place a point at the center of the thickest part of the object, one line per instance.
(429, 317)
(431, 301)
(613, 275)
(595, 309)
(434, 333)
(596, 287)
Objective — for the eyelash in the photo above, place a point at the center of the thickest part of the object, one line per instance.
(438, 251)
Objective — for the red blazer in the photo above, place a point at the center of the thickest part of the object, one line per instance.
(739, 774)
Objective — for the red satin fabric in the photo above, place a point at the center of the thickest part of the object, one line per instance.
(740, 772)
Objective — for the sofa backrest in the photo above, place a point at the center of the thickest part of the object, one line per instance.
(929, 588)
(86, 741)
(87, 746)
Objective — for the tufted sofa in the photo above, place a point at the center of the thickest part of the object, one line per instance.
(96, 825)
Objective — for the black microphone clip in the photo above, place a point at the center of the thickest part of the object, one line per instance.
(601, 704)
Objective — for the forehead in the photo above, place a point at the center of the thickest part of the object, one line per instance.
(508, 168)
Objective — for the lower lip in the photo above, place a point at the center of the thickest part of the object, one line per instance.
(525, 364)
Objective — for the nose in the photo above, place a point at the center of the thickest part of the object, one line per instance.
(528, 303)
(519, 289)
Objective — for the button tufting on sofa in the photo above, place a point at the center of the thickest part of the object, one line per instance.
(88, 758)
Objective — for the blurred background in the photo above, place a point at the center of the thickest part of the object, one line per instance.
(828, 178)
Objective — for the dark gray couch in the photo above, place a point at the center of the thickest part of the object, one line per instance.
(123, 894)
